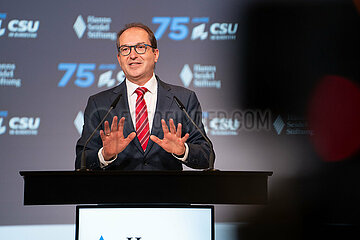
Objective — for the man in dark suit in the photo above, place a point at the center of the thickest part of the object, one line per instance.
(141, 139)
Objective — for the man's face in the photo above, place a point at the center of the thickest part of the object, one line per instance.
(138, 68)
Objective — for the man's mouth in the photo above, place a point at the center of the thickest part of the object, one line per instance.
(134, 63)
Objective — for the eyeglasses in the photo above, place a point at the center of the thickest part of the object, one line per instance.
(139, 49)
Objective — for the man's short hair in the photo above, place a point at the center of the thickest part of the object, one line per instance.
(152, 38)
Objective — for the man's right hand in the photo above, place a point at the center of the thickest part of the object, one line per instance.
(113, 139)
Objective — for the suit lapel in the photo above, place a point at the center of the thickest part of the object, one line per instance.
(163, 104)
(123, 110)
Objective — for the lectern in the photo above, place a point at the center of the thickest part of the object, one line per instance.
(144, 190)
(144, 187)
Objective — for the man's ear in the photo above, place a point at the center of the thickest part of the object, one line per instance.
(118, 58)
(156, 52)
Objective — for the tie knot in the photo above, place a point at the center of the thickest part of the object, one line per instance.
(140, 91)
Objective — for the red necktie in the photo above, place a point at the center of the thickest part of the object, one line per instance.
(141, 116)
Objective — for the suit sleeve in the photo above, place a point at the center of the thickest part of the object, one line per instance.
(91, 120)
(199, 149)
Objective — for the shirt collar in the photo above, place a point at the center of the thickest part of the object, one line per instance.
(151, 85)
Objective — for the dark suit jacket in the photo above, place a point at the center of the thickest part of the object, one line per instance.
(133, 157)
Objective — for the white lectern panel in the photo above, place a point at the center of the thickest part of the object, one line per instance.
(144, 223)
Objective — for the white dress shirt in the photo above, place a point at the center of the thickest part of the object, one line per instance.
(150, 98)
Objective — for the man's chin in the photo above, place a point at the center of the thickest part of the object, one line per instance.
(138, 79)
(135, 75)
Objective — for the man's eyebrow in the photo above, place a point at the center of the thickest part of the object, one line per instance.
(126, 45)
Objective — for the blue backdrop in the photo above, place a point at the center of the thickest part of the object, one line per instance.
(254, 65)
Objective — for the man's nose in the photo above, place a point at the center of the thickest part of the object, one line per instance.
(133, 53)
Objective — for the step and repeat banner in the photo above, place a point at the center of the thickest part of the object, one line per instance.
(264, 72)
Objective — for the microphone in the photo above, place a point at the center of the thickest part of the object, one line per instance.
(212, 154)
(83, 159)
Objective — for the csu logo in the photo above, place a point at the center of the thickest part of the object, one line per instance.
(179, 28)
(19, 125)
(24, 125)
(85, 74)
(19, 28)
(224, 124)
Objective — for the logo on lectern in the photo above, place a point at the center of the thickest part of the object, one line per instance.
(128, 238)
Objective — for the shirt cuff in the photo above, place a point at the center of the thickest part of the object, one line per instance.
(183, 159)
(103, 162)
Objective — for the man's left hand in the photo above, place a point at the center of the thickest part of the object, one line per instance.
(172, 141)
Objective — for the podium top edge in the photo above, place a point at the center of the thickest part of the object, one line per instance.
(119, 172)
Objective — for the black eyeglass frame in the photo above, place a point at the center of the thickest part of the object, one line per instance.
(134, 46)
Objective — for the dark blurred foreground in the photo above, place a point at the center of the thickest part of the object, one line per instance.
(321, 206)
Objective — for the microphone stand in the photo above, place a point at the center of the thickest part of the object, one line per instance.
(212, 154)
(83, 158)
